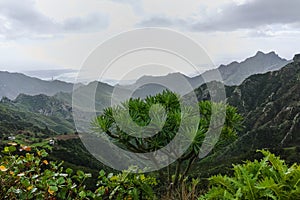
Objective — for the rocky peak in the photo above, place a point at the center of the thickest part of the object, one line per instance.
(297, 58)
(260, 53)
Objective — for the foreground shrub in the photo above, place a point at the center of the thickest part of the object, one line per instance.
(269, 178)
(126, 185)
(29, 175)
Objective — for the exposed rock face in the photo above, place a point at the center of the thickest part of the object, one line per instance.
(297, 58)
(45, 105)
(270, 106)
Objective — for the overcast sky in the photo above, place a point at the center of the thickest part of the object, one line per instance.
(60, 34)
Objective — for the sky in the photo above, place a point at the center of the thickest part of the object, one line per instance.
(56, 34)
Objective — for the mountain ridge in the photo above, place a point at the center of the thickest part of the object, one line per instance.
(13, 84)
(235, 72)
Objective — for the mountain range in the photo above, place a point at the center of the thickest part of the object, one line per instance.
(232, 74)
(13, 84)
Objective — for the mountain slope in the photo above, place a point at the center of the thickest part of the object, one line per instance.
(45, 105)
(36, 120)
(35, 111)
(13, 84)
(14, 122)
(270, 105)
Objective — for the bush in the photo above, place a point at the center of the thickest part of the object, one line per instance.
(269, 178)
(126, 185)
(27, 174)
(32, 176)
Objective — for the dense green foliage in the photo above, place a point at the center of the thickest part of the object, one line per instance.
(27, 174)
(32, 176)
(269, 178)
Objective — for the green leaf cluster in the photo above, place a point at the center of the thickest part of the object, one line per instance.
(28, 174)
(269, 178)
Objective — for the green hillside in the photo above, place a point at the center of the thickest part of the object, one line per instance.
(40, 111)
(270, 106)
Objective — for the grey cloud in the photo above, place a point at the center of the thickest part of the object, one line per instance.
(136, 5)
(251, 15)
(91, 22)
(259, 34)
(131, 2)
(23, 19)
(158, 21)
(163, 21)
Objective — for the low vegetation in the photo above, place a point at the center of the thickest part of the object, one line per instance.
(26, 173)
(269, 178)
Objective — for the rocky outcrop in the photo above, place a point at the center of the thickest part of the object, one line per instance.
(296, 58)
(270, 106)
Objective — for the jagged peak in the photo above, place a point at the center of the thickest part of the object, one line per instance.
(234, 63)
(296, 58)
(260, 53)
(272, 53)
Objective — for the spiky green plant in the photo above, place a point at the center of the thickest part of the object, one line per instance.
(269, 178)
(114, 119)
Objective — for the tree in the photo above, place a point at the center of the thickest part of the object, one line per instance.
(163, 115)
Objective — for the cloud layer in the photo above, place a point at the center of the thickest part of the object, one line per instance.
(22, 19)
(251, 15)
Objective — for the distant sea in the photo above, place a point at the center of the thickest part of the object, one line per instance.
(66, 75)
